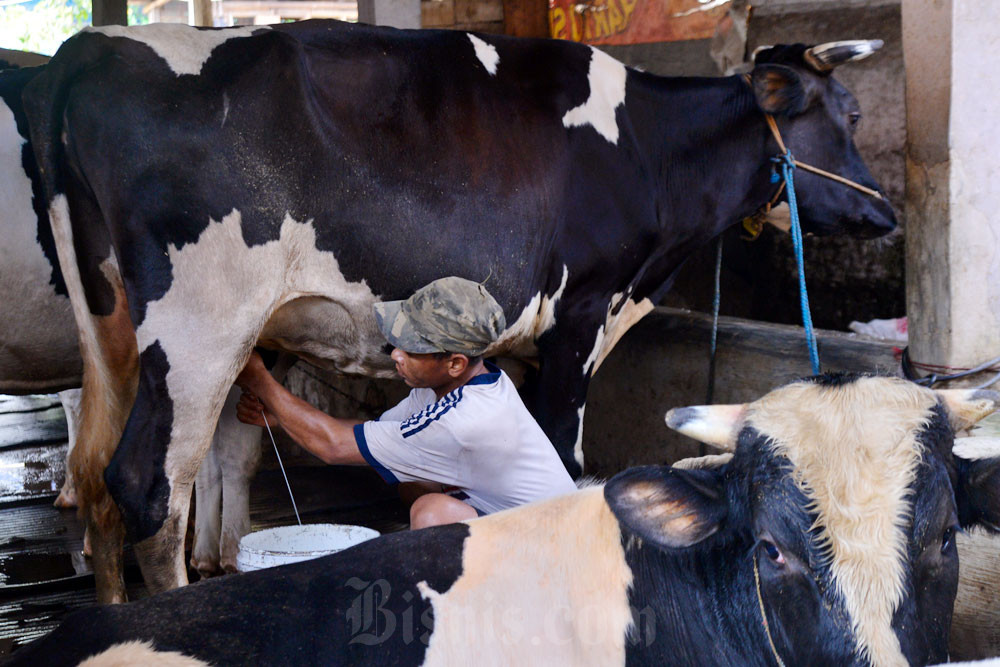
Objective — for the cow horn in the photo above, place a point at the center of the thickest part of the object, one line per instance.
(824, 57)
(716, 425)
(976, 448)
(703, 462)
(753, 56)
(967, 406)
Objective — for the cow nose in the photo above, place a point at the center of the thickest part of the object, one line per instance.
(878, 221)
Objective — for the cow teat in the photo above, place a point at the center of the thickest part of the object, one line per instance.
(716, 425)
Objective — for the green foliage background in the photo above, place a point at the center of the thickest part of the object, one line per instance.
(43, 27)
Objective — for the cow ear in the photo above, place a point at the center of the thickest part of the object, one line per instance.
(977, 461)
(780, 89)
(666, 506)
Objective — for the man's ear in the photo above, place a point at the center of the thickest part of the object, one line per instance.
(977, 461)
(780, 89)
(666, 506)
(457, 363)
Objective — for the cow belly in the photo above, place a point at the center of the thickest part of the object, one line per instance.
(38, 341)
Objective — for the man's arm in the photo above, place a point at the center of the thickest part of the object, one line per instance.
(329, 438)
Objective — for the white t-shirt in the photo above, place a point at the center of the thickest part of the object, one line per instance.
(479, 437)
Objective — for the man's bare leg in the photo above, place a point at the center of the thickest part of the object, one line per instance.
(436, 509)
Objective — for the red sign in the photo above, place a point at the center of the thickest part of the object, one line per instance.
(634, 21)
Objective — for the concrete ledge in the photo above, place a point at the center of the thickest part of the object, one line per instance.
(662, 362)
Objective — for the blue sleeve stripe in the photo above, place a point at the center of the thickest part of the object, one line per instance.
(385, 473)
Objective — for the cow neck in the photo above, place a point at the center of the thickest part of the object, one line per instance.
(706, 131)
(704, 604)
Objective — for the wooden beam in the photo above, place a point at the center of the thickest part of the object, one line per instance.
(109, 12)
(526, 18)
(200, 13)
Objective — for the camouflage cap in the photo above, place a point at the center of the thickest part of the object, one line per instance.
(448, 315)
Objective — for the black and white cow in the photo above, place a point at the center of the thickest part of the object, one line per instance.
(267, 186)
(827, 539)
(39, 345)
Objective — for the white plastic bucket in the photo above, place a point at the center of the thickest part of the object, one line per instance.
(291, 544)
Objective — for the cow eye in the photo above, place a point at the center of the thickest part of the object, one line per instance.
(853, 118)
(947, 539)
(773, 552)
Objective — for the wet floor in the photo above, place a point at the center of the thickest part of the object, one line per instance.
(43, 573)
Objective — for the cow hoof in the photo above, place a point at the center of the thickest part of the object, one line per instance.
(229, 567)
(206, 568)
(66, 498)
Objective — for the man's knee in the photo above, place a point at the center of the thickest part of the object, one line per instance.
(436, 509)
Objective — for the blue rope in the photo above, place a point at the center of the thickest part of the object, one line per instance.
(787, 169)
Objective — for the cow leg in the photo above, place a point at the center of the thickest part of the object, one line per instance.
(238, 447)
(208, 505)
(70, 400)
(106, 396)
(556, 394)
(168, 434)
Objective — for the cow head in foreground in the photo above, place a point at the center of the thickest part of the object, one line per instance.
(842, 498)
(817, 118)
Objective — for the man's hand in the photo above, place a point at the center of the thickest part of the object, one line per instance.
(250, 410)
(253, 375)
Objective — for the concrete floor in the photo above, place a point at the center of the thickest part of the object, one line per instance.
(43, 574)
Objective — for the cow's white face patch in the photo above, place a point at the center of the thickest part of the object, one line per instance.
(487, 54)
(518, 339)
(38, 340)
(607, 92)
(615, 326)
(530, 592)
(854, 451)
(185, 49)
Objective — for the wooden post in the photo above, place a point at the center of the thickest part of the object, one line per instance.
(526, 18)
(200, 12)
(952, 167)
(109, 12)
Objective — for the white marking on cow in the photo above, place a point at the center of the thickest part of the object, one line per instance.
(615, 326)
(518, 339)
(607, 92)
(225, 107)
(578, 447)
(183, 48)
(140, 653)
(39, 348)
(977, 448)
(559, 598)
(856, 464)
(223, 295)
(487, 54)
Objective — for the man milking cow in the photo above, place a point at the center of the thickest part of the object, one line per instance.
(462, 426)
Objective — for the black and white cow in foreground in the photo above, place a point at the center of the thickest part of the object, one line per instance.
(40, 351)
(267, 186)
(843, 498)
